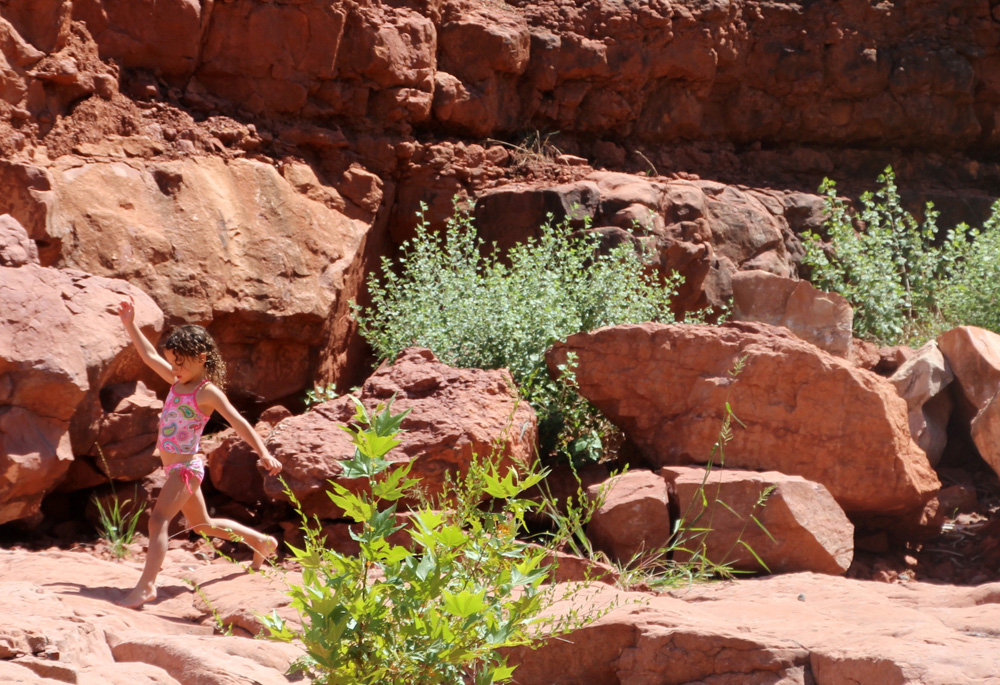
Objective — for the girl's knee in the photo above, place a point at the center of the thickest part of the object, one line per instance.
(158, 519)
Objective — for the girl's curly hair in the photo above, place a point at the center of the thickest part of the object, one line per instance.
(190, 341)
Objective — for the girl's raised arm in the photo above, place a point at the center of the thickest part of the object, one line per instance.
(148, 353)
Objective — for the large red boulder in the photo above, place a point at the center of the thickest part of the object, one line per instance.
(801, 411)
(456, 414)
(267, 263)
(60, 344)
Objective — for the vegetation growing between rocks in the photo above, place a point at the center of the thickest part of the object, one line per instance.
(436, 611)
(476, 308)
(905, 280)
(117, 523)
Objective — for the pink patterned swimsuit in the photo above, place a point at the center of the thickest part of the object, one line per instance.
(181, 423)
(181, 426)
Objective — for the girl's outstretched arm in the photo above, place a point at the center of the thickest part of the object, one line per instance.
(210, 398)
(148, 353)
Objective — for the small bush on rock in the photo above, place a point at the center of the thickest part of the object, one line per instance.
(437, 611)
(505, 311)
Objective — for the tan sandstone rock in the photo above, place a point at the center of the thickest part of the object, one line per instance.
(974, 356)
(455, 414)
(922, 381)
(801, 411)
(16, 249)
(229, 244)
(789, 523)
(824, 319)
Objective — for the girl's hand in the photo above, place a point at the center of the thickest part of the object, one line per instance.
(270, 464)
(126, 310)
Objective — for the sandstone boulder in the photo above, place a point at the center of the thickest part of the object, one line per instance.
(824, 319)
(974, 356)
(705, 231)
(59, 346)
(801, 411)
(633, 519)
(923, 381)
(455, 414)
(789, 523)
(231, 245)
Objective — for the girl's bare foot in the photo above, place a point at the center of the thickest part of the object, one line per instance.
(138, 597)
(268, 549)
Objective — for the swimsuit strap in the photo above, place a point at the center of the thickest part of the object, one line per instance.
(204, 382)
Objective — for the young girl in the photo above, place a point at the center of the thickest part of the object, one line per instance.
(192, 365)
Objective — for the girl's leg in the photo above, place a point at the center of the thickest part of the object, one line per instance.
(172, 497)
(196, 513)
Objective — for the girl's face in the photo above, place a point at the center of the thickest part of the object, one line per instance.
(186, 369)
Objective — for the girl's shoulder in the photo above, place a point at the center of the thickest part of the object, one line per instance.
(206, 394)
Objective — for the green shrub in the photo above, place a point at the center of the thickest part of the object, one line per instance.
(438, 612)
(117, 524)
(972, 295)
(888, 265)
(504, 311)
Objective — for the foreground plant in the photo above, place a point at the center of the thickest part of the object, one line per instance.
(436, 611)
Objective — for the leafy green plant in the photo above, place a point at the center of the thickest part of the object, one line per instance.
(320, 394)
(972, 295)
(888, 265)
(117, 522)
(436, 611)
(504, 311)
